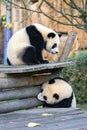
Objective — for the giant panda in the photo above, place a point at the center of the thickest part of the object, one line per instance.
(26, 45)
(57, 93)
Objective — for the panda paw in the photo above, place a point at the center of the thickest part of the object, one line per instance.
(44, 62)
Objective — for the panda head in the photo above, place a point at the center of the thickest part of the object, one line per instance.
(51, 38)
(52, 42)
(55, 91)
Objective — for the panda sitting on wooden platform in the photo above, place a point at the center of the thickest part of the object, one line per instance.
(26, 45)
(57, 93)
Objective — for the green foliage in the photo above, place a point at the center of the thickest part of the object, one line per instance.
(77, 76)
(3, 19)
(2, 1)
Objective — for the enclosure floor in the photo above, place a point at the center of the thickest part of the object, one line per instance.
(48, 119)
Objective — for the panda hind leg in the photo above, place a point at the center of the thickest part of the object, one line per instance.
(29, 56)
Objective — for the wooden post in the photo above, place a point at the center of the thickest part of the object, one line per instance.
(68, 46)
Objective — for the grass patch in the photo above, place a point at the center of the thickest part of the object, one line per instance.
(82, 106)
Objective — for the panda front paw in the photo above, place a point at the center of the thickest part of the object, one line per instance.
(44, 62)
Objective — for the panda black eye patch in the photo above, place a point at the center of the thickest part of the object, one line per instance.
(45, 97)
(51, 81)
(56, 96)
(51, 35)
(55, 45)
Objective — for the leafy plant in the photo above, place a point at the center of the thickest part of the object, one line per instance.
(77, 77)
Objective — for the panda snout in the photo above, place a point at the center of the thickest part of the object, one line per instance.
(54, 51)
(40, 97)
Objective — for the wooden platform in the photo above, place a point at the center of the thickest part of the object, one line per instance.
(34, 68)
(56, 119)
(20, 85)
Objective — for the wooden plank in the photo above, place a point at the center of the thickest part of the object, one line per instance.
(9, 106)
(23, 80)
(33, 68)
(61, 119)
(19, 93)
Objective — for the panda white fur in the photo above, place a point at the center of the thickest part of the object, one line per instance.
(26, 45)
(57, 93)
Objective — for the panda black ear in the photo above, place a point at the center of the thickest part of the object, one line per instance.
(51, 81)
(56, 96)
(51, 35)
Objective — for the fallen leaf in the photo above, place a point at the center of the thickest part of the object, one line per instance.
(47, 114)
(33, 124)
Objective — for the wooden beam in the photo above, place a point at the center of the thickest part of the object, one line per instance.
(19, 105)
(19, 93)
(23, 81)
(32, 69)
(68, 46)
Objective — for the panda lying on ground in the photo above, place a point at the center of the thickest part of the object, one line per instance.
(26, 45)
(57, 93)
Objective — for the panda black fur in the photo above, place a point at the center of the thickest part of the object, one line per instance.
(26, 45)
(57, 93)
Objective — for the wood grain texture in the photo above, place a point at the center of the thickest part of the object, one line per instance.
(13, 105)
(33, 68)
(19, 93)
(68, 46)
(23, 80)
(19, 76)
(61, 119)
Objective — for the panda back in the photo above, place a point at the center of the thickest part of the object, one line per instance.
(19, 37)
(16, 45)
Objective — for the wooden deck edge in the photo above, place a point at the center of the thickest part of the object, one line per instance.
(33, 68)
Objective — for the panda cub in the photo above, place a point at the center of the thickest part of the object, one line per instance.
(26, 45)
(57, 93)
